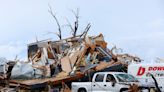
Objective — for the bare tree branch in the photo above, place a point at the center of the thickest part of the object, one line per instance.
(76, 23)
(59, 27)
(69, 24)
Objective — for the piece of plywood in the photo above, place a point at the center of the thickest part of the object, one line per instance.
(73, 57)
(66, 65)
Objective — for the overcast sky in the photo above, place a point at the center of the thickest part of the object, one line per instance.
(136, 26)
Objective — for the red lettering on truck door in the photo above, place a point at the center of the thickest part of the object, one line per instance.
(141, 71)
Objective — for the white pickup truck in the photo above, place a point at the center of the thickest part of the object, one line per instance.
(106, 82)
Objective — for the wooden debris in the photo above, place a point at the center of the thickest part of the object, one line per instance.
(66, 64)
(133, 88)
(69, 59)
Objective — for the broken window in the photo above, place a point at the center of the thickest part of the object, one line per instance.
(32, 49)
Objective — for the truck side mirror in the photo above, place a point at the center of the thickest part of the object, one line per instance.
(113, 84)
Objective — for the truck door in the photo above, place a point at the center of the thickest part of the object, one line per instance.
(98, 84)
(110, 84)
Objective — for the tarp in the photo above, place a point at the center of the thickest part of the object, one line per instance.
(3, 61)
(22, 70)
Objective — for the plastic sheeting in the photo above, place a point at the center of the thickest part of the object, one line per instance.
(3, 61)
(22, 70)
(3, 65)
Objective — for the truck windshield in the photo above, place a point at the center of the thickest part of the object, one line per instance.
(126, 78)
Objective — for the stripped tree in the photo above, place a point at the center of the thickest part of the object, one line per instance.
(59, 34)
(74, 28)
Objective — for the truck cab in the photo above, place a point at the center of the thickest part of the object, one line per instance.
(106, 82)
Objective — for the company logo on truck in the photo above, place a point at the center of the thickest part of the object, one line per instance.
(157, 71)
(141, 71)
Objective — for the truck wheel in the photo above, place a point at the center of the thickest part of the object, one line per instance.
(82, 90)
(124, 90)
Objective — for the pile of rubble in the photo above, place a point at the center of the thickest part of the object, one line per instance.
(65, 60)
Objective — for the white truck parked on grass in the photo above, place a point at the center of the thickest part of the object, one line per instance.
(106, 82)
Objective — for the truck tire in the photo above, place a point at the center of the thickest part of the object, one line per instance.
(124, 90)
(82, 90)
